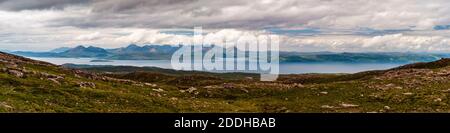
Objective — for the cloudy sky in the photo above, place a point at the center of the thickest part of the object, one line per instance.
(304, 25)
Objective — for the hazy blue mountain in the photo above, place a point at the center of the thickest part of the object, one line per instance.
(147, 52)
(134, 49)
(60, 50)
(81, 51)
(164, 52)
(35, 54)
(51, 53)
(4, 50)
(388, 57)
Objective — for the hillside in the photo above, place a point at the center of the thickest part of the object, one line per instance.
(33, 86)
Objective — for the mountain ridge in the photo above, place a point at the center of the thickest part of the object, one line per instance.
(164, 52)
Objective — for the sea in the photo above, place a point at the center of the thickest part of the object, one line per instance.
(284, 68)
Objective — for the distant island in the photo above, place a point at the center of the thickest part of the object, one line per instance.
(101, 61)
(164, 52)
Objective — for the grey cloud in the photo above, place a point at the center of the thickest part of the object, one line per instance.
(387, 21)
(246, 14)
(18, 5)
(139, 6)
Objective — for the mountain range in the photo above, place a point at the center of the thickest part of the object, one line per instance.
(131, 52)
(164, 52)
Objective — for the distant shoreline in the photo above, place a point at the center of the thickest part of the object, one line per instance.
(101, 60)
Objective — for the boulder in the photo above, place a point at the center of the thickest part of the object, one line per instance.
(5, 105)
(245, 90)
(3, 70)
(298, 85)
(228, 86)
(16, 73)
(323, 92)
(191, 89)
(327, 107)
(86, 84)
(408, 93)
(158, 90)
(55, 81)
(12, 65)
(150, 84)
(346, 105)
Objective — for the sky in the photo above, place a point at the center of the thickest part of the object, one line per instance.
(303, 25)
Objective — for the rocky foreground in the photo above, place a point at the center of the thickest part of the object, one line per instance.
(33, 86)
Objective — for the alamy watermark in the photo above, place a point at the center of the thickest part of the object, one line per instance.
(248, 53)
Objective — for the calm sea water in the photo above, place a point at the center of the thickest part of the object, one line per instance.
(285, 68)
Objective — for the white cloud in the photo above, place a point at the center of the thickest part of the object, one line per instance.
(382, 43)
(115, 23)
(88, 37)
